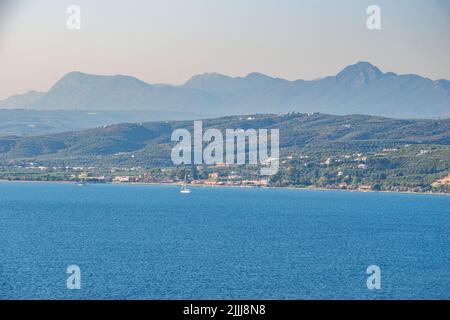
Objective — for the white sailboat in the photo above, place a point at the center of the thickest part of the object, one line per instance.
(184, 188)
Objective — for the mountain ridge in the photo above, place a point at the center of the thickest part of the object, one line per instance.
(20, 100)
(361, 88)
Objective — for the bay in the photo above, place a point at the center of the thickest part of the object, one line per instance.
(152, 242)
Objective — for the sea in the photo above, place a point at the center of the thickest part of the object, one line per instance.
(152, 242)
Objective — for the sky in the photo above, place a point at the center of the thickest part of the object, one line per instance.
(168, 41)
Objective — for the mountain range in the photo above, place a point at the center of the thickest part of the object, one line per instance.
(358, 89)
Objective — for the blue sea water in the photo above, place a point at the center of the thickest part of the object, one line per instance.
(151, 242)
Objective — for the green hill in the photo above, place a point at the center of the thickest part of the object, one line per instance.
(361, 149)
(317, 132)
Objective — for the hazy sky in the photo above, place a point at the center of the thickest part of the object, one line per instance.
(168, 41)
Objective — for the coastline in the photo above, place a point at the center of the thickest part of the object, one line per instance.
(231, 186)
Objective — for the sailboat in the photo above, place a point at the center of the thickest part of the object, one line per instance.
(184, 188)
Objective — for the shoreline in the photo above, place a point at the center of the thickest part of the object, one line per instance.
(230, 186)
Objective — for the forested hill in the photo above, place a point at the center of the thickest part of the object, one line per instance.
(148, 144)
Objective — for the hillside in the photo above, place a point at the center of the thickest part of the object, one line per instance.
(150, 142)
(315, 149)
(21, 100)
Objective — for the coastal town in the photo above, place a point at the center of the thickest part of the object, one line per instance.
(346, 171)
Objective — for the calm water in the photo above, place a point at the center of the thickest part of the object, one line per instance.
(151, 242)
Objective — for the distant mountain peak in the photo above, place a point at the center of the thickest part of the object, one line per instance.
(21, 100)
(206, 80)
(361, 67)
(359, 74)
(83, 75)
(78, 90)
(257, 75)
(207, 76)
(75, 74)
(78, 78)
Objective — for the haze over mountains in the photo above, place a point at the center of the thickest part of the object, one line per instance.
(358, 89)
(21, 100)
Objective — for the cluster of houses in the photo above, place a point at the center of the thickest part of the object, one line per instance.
(213, 179)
